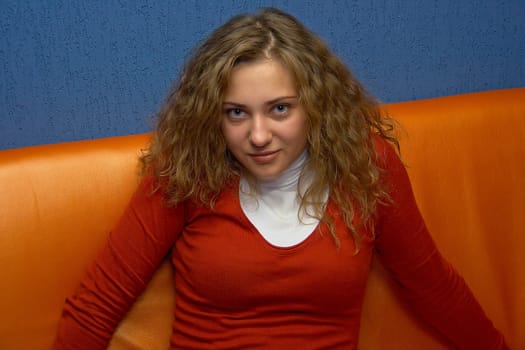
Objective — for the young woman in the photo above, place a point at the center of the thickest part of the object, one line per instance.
(271, 180)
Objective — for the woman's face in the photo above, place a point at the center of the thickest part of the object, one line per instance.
(264, 123)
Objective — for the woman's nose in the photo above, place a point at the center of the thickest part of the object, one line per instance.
(260, 133)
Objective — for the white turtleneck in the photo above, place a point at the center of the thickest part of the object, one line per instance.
(274, 208)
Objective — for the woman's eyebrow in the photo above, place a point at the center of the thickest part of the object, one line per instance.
(279, 99)
(240, 105)
(271, 102)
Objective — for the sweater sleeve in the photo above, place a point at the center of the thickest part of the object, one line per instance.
(121, 271)
(426, 281)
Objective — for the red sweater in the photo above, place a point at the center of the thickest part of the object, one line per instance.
(235, 290)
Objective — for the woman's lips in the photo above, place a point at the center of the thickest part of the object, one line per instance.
(264, 157)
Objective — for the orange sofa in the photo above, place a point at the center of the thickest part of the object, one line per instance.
(465, 156)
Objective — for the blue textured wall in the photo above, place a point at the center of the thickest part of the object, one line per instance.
(81, 69)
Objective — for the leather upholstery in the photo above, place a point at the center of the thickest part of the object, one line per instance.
(466, 159)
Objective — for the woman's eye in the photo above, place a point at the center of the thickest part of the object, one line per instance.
(235, 113)
(280, 109)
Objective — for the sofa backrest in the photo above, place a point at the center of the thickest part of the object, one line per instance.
(466, 159)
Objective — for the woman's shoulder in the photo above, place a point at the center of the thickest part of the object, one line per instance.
(387, 154)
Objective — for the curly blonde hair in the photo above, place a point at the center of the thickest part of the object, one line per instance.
(188, 152)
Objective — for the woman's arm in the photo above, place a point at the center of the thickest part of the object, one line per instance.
(133, 252)
(430, 285)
